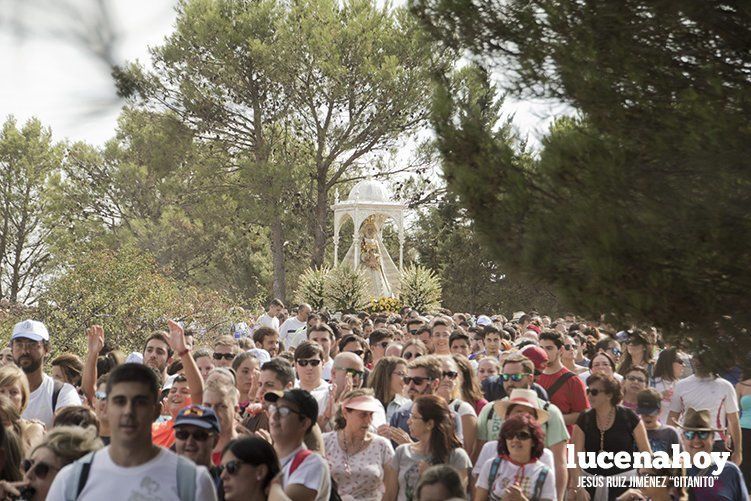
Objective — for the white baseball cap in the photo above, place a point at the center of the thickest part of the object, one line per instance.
(30, 329)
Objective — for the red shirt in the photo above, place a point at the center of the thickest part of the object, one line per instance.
(571, 397)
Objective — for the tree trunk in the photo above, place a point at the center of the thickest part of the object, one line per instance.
(277, 253)
(320, 217)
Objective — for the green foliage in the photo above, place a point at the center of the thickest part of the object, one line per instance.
(641, 206)
(311, 287)
(346, 290)
(128, 295)
(28, 160)
(420, 289)
(302, 96)
(472, 279)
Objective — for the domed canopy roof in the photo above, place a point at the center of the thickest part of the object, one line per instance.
(369, 190)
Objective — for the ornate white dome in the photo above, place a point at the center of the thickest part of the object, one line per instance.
(368, 190)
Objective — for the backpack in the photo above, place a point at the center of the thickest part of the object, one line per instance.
(58, 386)
(539, 483)
(299, 458)
(186, 478)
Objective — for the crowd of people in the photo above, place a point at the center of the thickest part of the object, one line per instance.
(407, 406)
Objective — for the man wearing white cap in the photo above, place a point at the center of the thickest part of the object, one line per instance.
(30, 344)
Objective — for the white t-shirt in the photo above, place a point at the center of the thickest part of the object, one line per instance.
(312, 472)
(715, 394)
(154, 480)
(327, 369)
(490, 451)
(526, 479)
(287, 332)
(268, 321)
(40, 401)
(321, 394)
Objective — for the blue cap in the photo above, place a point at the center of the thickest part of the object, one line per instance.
(198, 415)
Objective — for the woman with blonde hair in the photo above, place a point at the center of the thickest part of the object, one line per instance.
(60, 447)
(387, 383)
(15, 387)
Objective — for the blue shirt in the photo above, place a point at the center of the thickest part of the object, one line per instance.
(728, 485)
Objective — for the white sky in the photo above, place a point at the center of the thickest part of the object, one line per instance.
(72, 92)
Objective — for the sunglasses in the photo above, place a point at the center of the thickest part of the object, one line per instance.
(231, 467)
(100, 395)
(282, 411)
(199, 435)
(40, 469)
(314, 362)
(521, 435)
(413, 331)
(635, 379)
(358, 352)
(513, 377)
(594, 391)
(408, 355)
(689, 435)
(418, 380)
(616, 352)
(569, 347)
(450, 374)
(225, 356)
(355, 373)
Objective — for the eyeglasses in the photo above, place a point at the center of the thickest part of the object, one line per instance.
(314, 362)
(513, 377)
(100, 395)
(358, 352)
(616, 352)
(282, 411)
(409, 355)
(450, 374)
(26, 345)
(521, 435)
(413, 331)
(594, 391)
(418, 380)
(569, 347)
(690, 435)
(225, 356)
(41, 469)
(635, 379)
(231, 467)
(199, 435)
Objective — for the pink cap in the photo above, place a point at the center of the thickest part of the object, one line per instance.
(363, 403)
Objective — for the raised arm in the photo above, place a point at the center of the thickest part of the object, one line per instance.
(94, 345)
(192, 374)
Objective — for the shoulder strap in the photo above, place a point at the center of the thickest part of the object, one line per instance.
(56, 394)
(559, 383)
(299, 458)
(457, 404)
(78, 477)
(186, 479)
(540, 483)
(493, 472)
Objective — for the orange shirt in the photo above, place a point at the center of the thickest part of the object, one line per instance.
(163, 434)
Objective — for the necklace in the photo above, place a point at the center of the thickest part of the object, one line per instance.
(603, 429)
(346, 450)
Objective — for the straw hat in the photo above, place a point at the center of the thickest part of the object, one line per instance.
(698, 420)
(524, 397)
